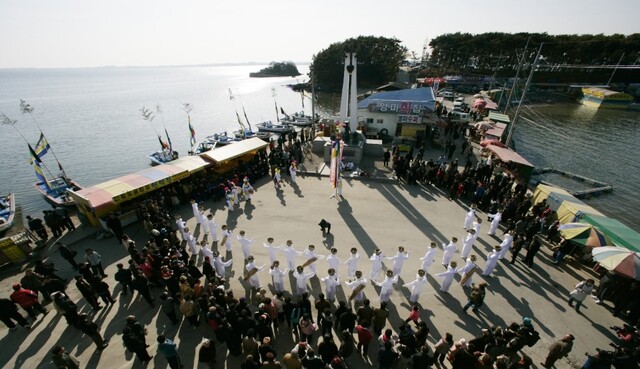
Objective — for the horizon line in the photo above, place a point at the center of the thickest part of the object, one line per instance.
(223, 64)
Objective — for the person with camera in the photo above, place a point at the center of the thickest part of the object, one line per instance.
(558, 350)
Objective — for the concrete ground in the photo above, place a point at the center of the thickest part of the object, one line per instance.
(382, 214)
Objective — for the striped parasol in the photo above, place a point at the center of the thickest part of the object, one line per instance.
(584, 234)
(618, 259)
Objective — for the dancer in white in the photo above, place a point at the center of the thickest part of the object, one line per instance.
(290, 253)
(226, 237)
(447, 276)
(467, 270)
(252, 272)
(221, 265)
(234, 192)
(386, 286)
(180, 224)
(301, 279)
(357, 286)
(278, 276)
(310, 254)
(376, 264)
(332, 259)
(471, 216)
(506, 244)
(352, 263)
(476, 228)
(191, 242)
(417, 285)
(293, 169)
(330, 283)
(212, 227)
(492, 260)
(245, 243)
(467, 244)
(194, 207)
(247, 189)
(206, 251)
(202, 218)
(495, 222)
(429, 258)
(449, 250)
(398, 260)
(271, 249)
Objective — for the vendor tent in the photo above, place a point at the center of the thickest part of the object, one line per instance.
(514, 160)
(229, 152)
(572, 209)
(620, 234)
(543, 191)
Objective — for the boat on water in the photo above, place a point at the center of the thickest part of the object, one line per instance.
(55, 190)
(162, 157)
(602, 98)
(222, 139)
(268, 126)
(244, 134)
(7, 211)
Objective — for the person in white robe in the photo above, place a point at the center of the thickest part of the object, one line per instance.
(467, 270)
(278, 276)
(357, 285)
(206, 251)
(417, 285)
(330, 283)
(311, 256)
(449, 250)
(220, 264)
(250, 267)
(467, 244)
(212, 227)
(471, 216)
(476, 229)
(495, 222)
(376, 264)
(247, 189)
(386, 286)
(398, 260)
(180, 224)
(332, 259)
(194, 207)
(492, 260)
(352, 263)
(293, 169)
(429, 258)
(447, 276)
(506, 244)
(272, 249)
(191, 242)
(290, 254)
(301, 279)
(245, 243)
(234, 192)
(226, 237)
(202, 218)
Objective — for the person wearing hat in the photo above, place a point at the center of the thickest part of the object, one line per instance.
(449, 250)
(492, 260)
(333, 260)
(470, 217)
(495, 222)
(417, 285)
(376, 264)
(386, 286)
(429, 258)
(467, 271)
(245, 243)
(226, 237)
(398, 260)
(252, 272)
(278, 276)
(62, 360)
(331, 282)
(91, 329)
(476, 228)
(301, 279)
(220, 265)
(28, 300)
(357, 286)
(506, 244)
(558, 350)
(467, 244)
(212, 228)
(272, 249)
(310, 254)
(180, 224)
(352, 263)
(447, 276)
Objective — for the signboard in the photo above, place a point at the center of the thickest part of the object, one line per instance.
(407, 118)
(401, 107)
(130, 195)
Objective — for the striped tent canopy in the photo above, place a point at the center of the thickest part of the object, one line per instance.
(584, 234)
(619, 260)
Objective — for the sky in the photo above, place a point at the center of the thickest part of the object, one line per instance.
(90, 33)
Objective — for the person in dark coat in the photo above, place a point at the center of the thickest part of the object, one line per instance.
(9, 312)
(534, 247)
(36, 225)
(387, 356)
(207, 353)
(46, 269)
(91, 329)
(141, 284)
(134, 339)
(87, 292)
(68, 308)
(68, 254)
(102, 290)
(115, 226)
(62, 360)
(125, 278)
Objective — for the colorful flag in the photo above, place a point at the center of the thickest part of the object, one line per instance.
(34, 156)
(245, 117)
(336, 159)
(163, 144)
(40, 174)
(42, 147)
(168, 140)
(193, 132)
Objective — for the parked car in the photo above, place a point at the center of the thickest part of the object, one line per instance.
(458, 116)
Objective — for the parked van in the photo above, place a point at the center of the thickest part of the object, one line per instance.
(446, 94)
(458, 116)
(458, 106)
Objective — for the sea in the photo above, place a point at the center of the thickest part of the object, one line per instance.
(92, 119)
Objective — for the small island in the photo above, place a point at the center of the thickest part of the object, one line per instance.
(278, 69)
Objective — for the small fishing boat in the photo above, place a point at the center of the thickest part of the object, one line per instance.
(162, 157)
(221, 139)
(268, 126)
(249, 134)
(55, 190)
(203, 147)
(7, 211)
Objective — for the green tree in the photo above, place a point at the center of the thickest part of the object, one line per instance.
(378, 61)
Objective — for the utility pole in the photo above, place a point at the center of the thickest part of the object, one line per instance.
(615, 69)
(515, 80)
(524, 93)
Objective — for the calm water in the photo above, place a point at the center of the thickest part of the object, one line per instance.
(91, 118)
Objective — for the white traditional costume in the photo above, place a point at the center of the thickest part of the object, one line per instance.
(476, 228)
(398, 261)
(247, 189)
(272, 251)
(333, 261)
(386, 287)
(206, 251)
(447, 278)
(290, 254)
(492, 260)
(506, 244)
(355, 284)
(301, 281)
(495, 222)
(292, 171)
(466, 272)
(246, 245)
(213, 229)
(180, 224)
(417, 285)
(467, 245)
(278, 278)
(254, 281)
(196, 211)
(468, 220)
(449, 250)
(330, 284)
(227, 235)
(310, 254)
(376, 266)
(352, 265)
(428, 259)
(191, 242)
(221, 266)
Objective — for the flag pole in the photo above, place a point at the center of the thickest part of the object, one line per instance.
(25, 107)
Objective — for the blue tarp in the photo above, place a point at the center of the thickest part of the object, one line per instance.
(410, 101)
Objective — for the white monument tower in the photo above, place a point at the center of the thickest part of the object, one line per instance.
(349, 99)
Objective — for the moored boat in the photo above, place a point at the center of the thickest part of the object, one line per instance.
(162, 157)
(249, 134)
(221, 139)
(268, 126)
(602, 98)
(55, 190)
(7, 211)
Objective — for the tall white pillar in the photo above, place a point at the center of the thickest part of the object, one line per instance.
(353, 97)
(344, 99)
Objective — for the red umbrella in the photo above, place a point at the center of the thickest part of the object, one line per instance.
(486, 143)
(479, 104)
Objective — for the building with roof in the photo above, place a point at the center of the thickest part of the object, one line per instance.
(396, 113)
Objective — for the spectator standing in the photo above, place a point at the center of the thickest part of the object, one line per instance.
(169, 349)
(95, 262)
(9, 312)
(62, 360)
(28, 300)
(207, 353)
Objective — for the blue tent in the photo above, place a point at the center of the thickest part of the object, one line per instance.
(409, 101)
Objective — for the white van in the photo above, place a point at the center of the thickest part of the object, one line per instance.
(458, 116)
(458, 106)
(446, 94)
